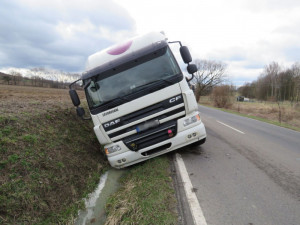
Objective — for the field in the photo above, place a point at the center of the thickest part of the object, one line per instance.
(49, 158)
(285, 114)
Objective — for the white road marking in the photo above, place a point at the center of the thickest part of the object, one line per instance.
(195, 207)
(231, 127)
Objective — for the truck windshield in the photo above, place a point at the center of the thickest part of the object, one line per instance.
(131, 77)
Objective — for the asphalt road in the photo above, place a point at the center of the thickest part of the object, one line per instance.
(247, 172)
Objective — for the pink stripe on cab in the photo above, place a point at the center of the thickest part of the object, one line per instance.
(120, 48)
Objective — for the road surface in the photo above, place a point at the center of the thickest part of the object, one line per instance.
(247, 172)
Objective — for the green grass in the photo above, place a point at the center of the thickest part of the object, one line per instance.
(48, 164)
(258, 118)
(30, 138)
(146, 196)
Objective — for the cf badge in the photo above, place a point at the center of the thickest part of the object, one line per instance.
(175, 99)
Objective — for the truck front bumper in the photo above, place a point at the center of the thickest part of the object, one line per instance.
(126, 157)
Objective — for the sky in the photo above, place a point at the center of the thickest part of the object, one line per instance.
(61, 34)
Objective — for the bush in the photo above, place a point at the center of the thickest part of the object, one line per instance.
(221, 96)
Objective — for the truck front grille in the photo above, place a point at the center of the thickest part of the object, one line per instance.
(166, 113)
(152, 136)
(161, 117)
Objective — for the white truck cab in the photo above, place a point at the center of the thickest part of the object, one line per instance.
(139, 100)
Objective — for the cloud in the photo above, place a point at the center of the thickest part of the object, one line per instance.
(59, 34)
(269, 5)
(245, 34)
(243, 71)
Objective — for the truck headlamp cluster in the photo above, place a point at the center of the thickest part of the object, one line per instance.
(191, 120)
(112, 149)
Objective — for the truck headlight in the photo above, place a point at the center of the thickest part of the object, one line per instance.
(191, 120)
(112, 149)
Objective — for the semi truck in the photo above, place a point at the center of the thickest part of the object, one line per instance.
(139, 99)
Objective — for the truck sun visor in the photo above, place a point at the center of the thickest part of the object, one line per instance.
(123, 59)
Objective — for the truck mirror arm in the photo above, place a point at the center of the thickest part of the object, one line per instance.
(188, 80)
(70, 85)
(172, 42)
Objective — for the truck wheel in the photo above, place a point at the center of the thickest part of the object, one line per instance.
(197, 143)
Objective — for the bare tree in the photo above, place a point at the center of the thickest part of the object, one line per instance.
(210, 73)
(273, 73)
(16, 77)
(7, 78)
(296, 80)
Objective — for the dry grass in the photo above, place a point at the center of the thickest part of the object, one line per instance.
(15, 100)
(290, 113)
(124, 205)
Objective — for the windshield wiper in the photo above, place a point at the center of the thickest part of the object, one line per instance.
(144, 85)
(168, 81)
(123, 99)
(152, 82)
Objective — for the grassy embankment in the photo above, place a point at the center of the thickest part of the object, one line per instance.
(49, 158)
(264, 111)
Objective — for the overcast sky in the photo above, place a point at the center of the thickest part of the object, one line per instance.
(60, 34)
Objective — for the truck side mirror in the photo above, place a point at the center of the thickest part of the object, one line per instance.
(185, 54)
(80, 112)
(74, 96)
(192, 68)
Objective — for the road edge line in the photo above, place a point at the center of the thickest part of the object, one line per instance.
(195, 207)
(230, 127)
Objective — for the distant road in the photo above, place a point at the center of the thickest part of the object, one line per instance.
(248, 172)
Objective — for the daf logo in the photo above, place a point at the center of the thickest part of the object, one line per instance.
(111, 123)
(175, 99)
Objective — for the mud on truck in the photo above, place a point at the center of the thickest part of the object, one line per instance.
(139, 100)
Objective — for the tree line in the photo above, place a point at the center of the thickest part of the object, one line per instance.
(275, 84)
(16, 78)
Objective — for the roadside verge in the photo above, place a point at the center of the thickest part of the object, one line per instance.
(282, 124)
(146, 195)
